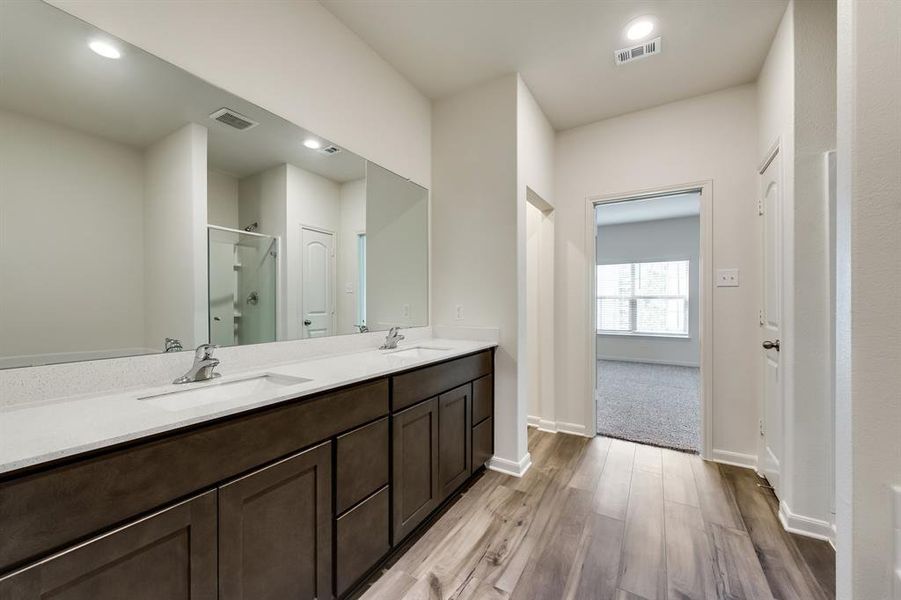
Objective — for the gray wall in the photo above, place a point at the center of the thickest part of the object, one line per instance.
(669, 239)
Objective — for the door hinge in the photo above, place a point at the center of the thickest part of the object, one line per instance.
(760, 317)
(760, 207)
(761, 427)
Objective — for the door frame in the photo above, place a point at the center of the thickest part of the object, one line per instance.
(705, 302)
(333, 273)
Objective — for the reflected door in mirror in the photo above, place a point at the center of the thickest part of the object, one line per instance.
(318, 295)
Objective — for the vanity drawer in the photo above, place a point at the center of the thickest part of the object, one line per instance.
(101, 491)
(363, 537)
(482, 443)
(482, 399)
(362, 463)
(414, 386)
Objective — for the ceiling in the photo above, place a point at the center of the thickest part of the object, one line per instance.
(649, 209)
(564, 48)
(139, 98)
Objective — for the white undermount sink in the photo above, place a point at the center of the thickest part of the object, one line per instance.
(420, 352)
(211, 393)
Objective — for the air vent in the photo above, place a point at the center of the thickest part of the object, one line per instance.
(332, 149)
(636, 52)
(233, 119)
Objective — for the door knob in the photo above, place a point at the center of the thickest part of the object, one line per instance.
(768, 345)
(307, 322)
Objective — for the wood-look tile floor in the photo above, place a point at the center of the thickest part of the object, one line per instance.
(602, 518)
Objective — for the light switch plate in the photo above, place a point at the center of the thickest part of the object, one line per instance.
(727, 278)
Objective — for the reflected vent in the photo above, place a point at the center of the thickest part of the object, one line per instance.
(233, 119)
(636, 52)
(332, 149)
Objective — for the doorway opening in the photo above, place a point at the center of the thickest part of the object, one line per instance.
(648, 283)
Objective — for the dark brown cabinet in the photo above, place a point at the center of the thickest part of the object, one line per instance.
(482, 421)
(366, 465)
(482, 443)
(170, 555)
(275, 530)
(454, 431)
(415, 457)
(363, 538)
(362, 463)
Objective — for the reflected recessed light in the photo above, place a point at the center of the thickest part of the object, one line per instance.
(312, 144)
(104, 49)
(640, 28)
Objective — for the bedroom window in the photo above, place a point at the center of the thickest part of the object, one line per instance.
(643, 298)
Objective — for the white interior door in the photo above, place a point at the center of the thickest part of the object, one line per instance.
(317, 311)
(771, 321)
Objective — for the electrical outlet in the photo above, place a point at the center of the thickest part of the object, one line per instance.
(727, 278)
(458, 312)
(405, 311)
(349, 288)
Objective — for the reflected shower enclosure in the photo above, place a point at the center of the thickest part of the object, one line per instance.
(242, 286)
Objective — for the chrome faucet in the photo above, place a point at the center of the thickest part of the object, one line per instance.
(391, 339)
(204, 363)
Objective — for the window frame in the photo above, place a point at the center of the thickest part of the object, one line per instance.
(633, 302)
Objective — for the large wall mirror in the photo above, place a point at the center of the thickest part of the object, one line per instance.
(143, 210)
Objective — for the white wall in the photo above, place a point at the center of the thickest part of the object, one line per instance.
(175, 238)
(667, 239)
(222, 199)
(292, 58)
(711, 137)
(869, 295)
(352, 222)
(535, 259)
(474, 233)
(87, 195)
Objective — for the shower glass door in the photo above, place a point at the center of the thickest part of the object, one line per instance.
(242, 287)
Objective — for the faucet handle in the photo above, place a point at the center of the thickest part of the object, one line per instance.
(205, 351)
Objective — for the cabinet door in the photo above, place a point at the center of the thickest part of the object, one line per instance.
(169, 555)
(415, 459)
(454, 431)
(275, 530)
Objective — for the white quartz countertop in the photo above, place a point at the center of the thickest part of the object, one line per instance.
(36, 433)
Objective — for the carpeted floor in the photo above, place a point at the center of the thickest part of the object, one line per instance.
(653, 404)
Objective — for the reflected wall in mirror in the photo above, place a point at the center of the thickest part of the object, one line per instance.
(139, 203)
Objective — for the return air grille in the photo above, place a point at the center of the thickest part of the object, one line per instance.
(233, 119)
(636, 52)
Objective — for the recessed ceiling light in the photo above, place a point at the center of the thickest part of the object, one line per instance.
(104, 49)
(639, 28)
(312, 144)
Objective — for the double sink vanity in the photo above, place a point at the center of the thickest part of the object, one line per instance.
(293, 482)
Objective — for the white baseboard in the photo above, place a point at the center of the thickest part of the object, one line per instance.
(542, 424)
(650, 361)
(557, 426)
(509, 467)
(572, 429)
(736, 459)
(806, 526)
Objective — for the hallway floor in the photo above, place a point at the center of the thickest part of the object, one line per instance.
(609, 519)
(650, 403)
